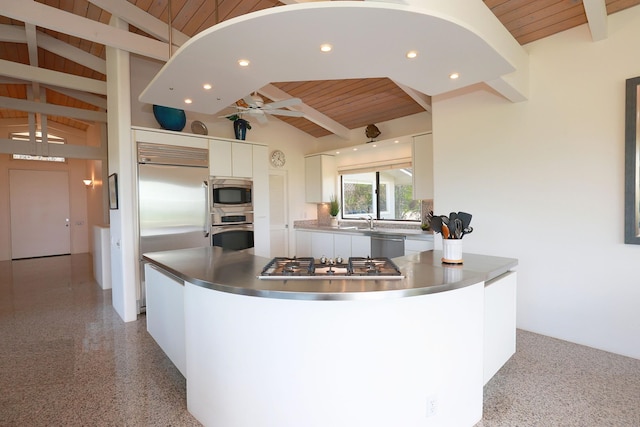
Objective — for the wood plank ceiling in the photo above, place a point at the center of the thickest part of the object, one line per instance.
(352, 103)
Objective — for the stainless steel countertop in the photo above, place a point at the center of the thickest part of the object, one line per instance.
(409, 233)
(236, 272)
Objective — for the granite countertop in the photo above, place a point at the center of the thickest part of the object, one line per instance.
(237, 272)
(380, 229)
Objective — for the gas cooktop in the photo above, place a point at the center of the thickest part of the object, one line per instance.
(310, 268)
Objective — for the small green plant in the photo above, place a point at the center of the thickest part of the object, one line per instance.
(334, 206)
(235, 117)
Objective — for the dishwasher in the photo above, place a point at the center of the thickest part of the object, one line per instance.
(389, 246)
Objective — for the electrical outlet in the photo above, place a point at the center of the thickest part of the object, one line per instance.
(432, 406)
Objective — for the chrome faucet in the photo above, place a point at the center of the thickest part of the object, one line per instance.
(369, 220)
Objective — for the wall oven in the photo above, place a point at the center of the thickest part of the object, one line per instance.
(232, 230)
(235, 193)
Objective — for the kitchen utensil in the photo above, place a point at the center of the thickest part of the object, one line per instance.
(466, 219)
(445, 219)
(458, 230)
(436, 224)
(467, 230)
(445, 231)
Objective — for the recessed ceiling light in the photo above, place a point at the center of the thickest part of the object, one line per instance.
(355, 149)
(243, 62)
(337, 152)
(326, 47)
(206, 86)
(188, 101)
(454, 76)
(396, 141)
(374, 145)
(412, 54)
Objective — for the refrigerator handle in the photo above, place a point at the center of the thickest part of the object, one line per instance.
(207, 223)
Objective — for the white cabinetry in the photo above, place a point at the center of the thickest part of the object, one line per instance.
(342, 245)
(499, 322)
(165, 314)
(322, 245)
(331, 245)
(157, 136)
(320, 178)
(360, 246)
(423, 166)
(227, 158)
(303, 243)
(414, 246)
(261, 224)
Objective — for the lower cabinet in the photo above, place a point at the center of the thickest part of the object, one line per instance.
(322, 245)
(303, 243)
(499, 322)
(360, 246)
(342, 245)
(415, 246)
(331, 245)
(165, 314)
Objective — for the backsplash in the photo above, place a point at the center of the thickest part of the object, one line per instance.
(324, 219)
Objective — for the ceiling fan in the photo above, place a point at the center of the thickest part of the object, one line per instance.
(255, 106)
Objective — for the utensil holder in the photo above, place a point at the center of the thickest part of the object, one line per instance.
(452, 251)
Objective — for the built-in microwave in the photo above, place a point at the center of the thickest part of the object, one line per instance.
(231, 193)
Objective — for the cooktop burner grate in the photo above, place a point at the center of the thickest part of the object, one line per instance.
(307, 267)
(284, 266)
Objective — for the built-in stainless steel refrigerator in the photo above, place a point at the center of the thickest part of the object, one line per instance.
(173, 200)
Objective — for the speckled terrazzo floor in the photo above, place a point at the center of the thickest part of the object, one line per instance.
(66, 359)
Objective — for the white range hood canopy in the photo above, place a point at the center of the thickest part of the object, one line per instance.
(369, 40)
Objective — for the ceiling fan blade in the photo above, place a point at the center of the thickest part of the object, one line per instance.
(284, 103)
(249, 101)
(289, 113)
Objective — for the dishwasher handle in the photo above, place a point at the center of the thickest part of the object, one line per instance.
(389, 238)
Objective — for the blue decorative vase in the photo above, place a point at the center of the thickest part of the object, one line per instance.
(170, 118)
(240, 128)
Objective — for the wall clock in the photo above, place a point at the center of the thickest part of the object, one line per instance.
(277, 158)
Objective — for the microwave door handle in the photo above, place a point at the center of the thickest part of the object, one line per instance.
(207, 221)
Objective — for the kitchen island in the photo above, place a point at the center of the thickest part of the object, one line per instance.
(345, 352)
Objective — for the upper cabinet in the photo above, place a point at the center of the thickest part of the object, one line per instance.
(228, 158)
(320, 178)
(423, 166)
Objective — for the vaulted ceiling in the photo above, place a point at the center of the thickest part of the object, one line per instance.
(53, 68)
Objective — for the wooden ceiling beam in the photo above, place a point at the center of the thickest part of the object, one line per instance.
(137, 17)
(52, 110)
(72, 53)
(56, 78)
(89, 98)
(596, 11)
(67, 23)
(310, 114)
(12, 34)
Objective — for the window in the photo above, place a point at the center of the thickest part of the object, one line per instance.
(385, 194)
(53, 139)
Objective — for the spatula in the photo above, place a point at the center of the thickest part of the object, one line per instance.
(466, 219)
(445, 231)
(436, 224)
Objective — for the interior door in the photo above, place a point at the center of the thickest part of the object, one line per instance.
(39, 213)
(278, 214)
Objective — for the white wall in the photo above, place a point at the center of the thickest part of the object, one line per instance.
(544, 180)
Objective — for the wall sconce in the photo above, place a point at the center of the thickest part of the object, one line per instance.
(88, 183)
